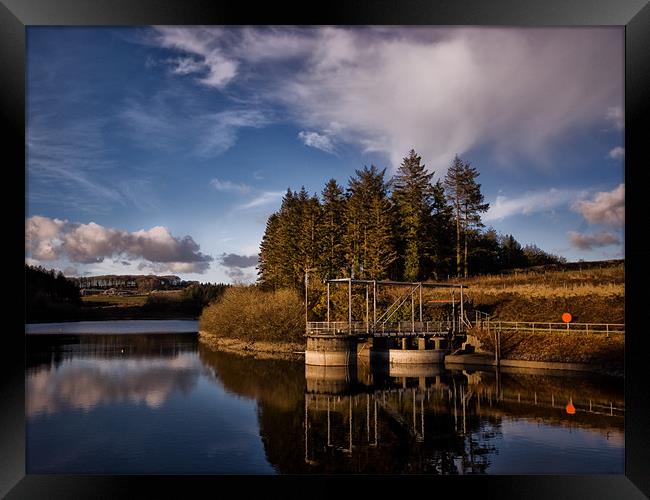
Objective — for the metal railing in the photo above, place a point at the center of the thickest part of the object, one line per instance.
(540, 327)
(399, 328)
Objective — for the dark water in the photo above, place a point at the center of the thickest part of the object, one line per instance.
(119, 404)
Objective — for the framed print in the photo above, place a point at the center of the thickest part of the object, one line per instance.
(376, 243)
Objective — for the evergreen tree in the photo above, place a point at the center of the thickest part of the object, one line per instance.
(443, 226)
(484, 257)
(454, 189)
(473, 205)
(535, 256)
(369, 245)
(512, 255)
(307, 244)
(467, 202)
(413, 197)
(331, 231)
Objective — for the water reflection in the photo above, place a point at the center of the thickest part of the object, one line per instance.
(81, 373)
(164, 404)
(428, 420)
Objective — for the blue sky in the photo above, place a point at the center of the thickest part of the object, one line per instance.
(164, 149)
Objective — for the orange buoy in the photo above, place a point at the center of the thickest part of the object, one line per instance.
(566, 317)
(570, 409)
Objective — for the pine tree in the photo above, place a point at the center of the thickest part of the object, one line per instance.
(413, 197)
(369, 244)
(442, 226)
(454, 189)
(473, 205)
(331, 231)
(467, 201)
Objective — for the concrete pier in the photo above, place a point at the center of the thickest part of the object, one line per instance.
(331, 350)
(329, 379)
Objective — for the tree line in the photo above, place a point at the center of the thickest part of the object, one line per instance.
(406, 228)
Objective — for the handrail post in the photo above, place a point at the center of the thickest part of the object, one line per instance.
(328, 303)
(350, 306)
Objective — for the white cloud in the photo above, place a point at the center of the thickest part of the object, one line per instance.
(51, 239)
(159, 122)
(186, 65)
(42, 237)
(618, 153)
(265, 198)
(439, 90)
(607, 207)
(529, 203)
(318, 141)
(614, 116)
(70, 271)
(591, 241)
(219, 70)
(225, 185)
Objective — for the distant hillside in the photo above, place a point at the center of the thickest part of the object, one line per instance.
(131, 281)
(593, 292)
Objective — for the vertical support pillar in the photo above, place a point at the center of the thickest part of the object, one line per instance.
(367, 311)
(374, 301)
(413, 311)
(420, 302)
(350, 306)
(462, 311)
(453, 311)
(306, 322)
(328, 305)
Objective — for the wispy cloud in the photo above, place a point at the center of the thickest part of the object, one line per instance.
(617, 153)
(614, 116)
(531, 202)
(158, 122)
(263, 199)
(606, 207)
(318, 141)
(225, 185)
(592, 241)
(72, 157)
(217, 70)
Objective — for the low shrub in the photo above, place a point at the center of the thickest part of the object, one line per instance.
(248, 313)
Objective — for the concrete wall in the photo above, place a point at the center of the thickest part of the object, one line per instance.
(331, 351)
(408, 356)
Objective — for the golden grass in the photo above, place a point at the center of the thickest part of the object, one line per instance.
(573, 347)
(540, 290)
(115, 300)
(247, 313)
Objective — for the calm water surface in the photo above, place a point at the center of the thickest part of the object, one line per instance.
(161, 403)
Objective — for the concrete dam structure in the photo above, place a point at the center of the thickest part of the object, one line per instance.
(383, 341)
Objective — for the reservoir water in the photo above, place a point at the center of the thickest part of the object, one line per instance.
(161, 403)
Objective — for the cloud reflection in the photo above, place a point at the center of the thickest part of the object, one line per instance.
(85, 383)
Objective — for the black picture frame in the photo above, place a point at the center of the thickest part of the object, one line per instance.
(16, 15)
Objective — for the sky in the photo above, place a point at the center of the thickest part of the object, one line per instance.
(164, 149)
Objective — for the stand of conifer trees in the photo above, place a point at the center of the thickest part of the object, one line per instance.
(404, 228)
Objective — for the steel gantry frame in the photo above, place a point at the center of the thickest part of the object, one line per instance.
(395, 306)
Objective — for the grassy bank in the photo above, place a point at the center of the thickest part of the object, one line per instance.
(253, 322)
(606, 353)
(592, 294)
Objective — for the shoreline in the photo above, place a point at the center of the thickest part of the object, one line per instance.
(257, 349)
